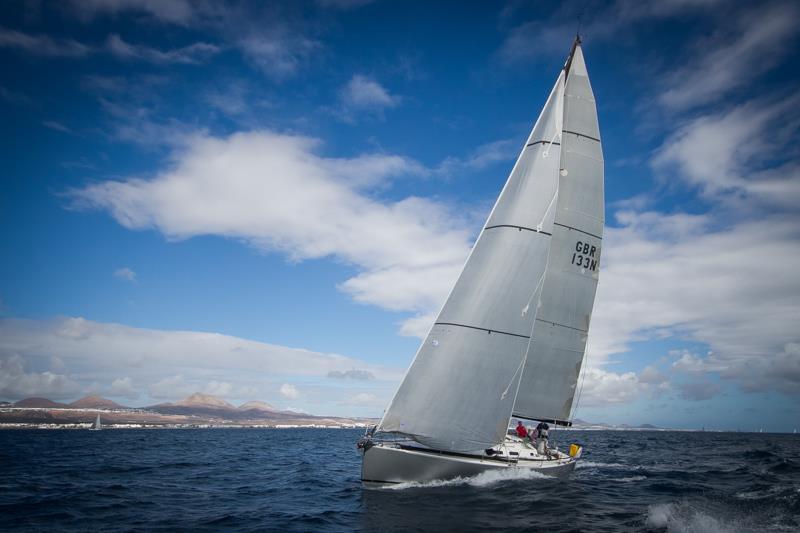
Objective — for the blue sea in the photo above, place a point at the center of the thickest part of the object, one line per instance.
(308, 480)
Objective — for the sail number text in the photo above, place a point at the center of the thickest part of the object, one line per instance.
(584, 255)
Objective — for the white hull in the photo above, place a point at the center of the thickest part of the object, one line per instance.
(391, 463)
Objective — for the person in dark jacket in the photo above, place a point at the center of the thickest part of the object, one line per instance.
(542, 432)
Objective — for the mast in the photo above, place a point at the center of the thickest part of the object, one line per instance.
(568, 63)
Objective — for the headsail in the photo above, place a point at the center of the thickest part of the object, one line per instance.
(554, 361)
(460, 389)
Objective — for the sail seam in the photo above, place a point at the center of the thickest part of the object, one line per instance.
(582, 135)
(542, 142)
(562, 325)
(578, 229)
(518, 227)
(482, 329)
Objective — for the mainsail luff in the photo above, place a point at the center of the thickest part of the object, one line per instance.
(553, 364)
(459, 390)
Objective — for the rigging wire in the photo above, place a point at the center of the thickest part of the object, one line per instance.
(584, 368)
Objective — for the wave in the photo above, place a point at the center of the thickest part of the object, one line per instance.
(483, 479)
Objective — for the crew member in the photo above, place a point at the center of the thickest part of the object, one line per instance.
(542, 432)
(521, 431)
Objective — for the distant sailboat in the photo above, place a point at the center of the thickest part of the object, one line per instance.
(96, 426)
(511, 336)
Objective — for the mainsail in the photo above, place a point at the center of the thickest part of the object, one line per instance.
(461, 387)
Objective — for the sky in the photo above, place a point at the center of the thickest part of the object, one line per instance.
(271, 200)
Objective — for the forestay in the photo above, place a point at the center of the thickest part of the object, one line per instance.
(460, 389)
(554, 361)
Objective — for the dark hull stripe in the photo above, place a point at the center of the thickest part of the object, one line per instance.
(577, 229)
(455, 454)
(518, 227)
(490, 331)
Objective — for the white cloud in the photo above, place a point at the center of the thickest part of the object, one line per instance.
(277, 51)
(17, 384)
(364, 93)
(43, 45)
(125, 273)
(727, 154)
(171, 365)
(600, 387)
(364, 399)
(503, 150)
(170, 388)
(172, 11)
(103, 346)
(733, 288)
(192, 54)
(698, 390)
(544, 37)
(344, 4)
(652, 375)
(57, 126)
(351, 374)
(123, 387)
(757, 41)
(290, 391)
(260, 187)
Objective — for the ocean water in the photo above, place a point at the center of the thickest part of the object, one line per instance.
(308, 480)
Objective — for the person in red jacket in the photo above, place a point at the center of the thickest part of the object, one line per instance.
(521, 431)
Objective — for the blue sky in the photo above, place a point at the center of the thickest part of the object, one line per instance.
(271, 200)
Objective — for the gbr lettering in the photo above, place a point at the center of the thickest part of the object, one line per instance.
(584, 256)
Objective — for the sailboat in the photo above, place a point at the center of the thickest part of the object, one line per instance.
(96, 426)
(510, 340)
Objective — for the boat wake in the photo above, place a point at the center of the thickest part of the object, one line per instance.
(483, 479)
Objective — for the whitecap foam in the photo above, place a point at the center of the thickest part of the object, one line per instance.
(592, 464)
(483, 479)
(683, 518)
(631, 479)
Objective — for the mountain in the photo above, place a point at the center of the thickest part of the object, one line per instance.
(95, 402)
(204, 400)
(257, 406)
(206, 405)
(42, 403)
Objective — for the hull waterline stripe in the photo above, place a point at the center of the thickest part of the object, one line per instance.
(490, 331)
(578, 229)
(519, 228)
(561, 325)
(582, 135)
(376, 481)
(455, 454)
